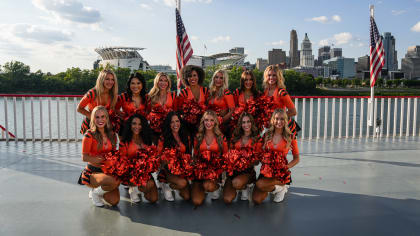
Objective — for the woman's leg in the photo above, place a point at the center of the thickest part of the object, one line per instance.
(197, 193)
(229, 192)
(240, 182)
(210, 185)
(150, 191)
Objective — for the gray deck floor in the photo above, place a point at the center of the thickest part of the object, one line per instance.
(340, 187)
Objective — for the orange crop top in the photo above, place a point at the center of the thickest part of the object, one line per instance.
(281, 146)
(169, 103)
(250, 144)
(282, 100)
(214, 147)
(181, 147)
(186, 94)
(224, 102)
(128, 106)
(90, 100)
(240, 98)
(90, 145)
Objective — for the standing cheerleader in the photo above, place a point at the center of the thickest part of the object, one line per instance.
(220, 99)
(98, 141)
(194, 93)
(247, 138)
(174, 136)
(277, 140)
(210, 140)
(162, 101)
(273, 84)
(105, 93)
(134, 100)
(248, 89)
(136, 135)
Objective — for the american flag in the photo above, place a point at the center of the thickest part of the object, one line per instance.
(183, 47)
(377, 53)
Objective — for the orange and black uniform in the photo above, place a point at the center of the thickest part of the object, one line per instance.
(240, 100)
(90, 147)
(282, 147)
(90, 100)
(163, 173)
(224, 102)
(129, 107)
(186, 94)
(169, 103)
(256, 146)
(213, 147)
(128, 149)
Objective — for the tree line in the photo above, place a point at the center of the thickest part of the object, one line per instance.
(16, 77)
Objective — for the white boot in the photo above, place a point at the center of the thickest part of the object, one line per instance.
(133, 191)
(279, 193)
(167, 192)
(98, 196)
(215, 194)
(143, 198)
(245, 193)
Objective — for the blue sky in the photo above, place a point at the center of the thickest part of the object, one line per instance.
(53, 35)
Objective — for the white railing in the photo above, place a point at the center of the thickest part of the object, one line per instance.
(54, 118)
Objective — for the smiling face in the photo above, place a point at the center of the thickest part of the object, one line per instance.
(248, 82)
(136, 86)
(279, 121)
(272, 77)
(100, 119)
(163, 82)
(246, 124)
(109, 82)
(193, 78)
(209, 122)
(175, 124)
(218, 80)
(136, 126)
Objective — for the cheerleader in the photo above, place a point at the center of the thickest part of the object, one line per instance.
(245, 135)
(209, 138)
(99, 140)
(278, 139)
(162, 101)
(134, 100)
(248, 89)
(220, 99)
(192, 77)
(105, 93)
(136, 135)
(273, 84)
(174, 135)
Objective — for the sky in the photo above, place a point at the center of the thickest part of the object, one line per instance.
(53, 35)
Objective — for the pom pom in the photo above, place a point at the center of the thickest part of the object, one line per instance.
(192, 111)
(156, 117)
(265, 108)
(274, 165)
(208, 166)
(179, 163)
(117, 166)
(239, 159)
(145, 163)
(115, 121)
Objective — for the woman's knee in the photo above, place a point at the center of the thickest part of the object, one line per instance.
(197, 201)
(238, 184)
(210, 186)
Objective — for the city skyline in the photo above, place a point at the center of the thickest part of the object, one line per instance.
(53, 35)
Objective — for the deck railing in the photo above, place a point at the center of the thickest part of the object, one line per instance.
(54, 117)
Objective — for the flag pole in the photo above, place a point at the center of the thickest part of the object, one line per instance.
(372, 88)
(178, 87)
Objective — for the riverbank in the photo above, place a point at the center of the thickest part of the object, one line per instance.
(366, 91)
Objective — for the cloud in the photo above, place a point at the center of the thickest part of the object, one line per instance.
(336, 18)
(342, 38)
(397, 12)
(70, 10)
(145, 6)
(323, 42)
(320, 19)
(171, 3)
(278, 43)
(416, 27)
(36, 33)
(221, 39)
(193, 37)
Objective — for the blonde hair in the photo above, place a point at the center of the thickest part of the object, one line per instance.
(108, 127)
(212, 86)
(280, 78)
(99, 87)
(286, 134)
(154, 92)
(216, 130)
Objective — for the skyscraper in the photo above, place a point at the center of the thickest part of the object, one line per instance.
(306, 57)
(336, 52)
(293, 52)
(276, 56)
(391, 61)
(323, 54)
(410, 64)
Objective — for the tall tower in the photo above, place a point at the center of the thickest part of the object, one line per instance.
(293, 52)
(306, 57)
(391, 62)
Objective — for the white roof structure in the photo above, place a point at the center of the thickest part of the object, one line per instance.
(123, 57)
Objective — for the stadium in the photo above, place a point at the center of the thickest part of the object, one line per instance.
(227, 60)
(124, 57)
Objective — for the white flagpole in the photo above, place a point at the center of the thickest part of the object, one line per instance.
(178, 6)
(372, 88)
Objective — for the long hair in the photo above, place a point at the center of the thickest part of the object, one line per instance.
(140, 77)
(216, 130)
(287, 135)
(280, 78)
(100, 89)
(168, 138)
(212, 86)
(186, 72)
(154, 92)
(145, 133)
(239, 132)
(254, 82)
(108, 127)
